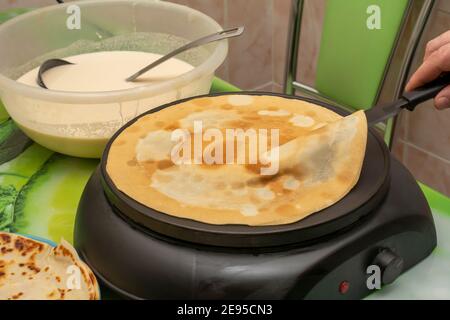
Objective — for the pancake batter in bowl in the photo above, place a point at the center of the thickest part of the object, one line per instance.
(106, 71)
(84, 131)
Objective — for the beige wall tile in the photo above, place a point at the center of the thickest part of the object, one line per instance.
(270, 87)
(277, 88)
(266, 87)
(310, 38)
(281, 18)
(428, 169)
(213, 8)
(250, 57)
(399, 150)
(444, 5)
(401, 129)
(429, 129)
(216, 10)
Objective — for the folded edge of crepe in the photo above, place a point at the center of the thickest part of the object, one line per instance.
(332, 137)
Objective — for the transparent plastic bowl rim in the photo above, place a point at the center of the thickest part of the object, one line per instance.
(211, 63)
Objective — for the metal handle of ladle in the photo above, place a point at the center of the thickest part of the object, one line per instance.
(225, 34)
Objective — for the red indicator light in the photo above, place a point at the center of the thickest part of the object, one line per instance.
(343, 287)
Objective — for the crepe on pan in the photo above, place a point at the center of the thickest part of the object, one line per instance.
(320, 160)
(33, 270)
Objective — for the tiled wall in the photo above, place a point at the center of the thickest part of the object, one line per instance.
(256, 61)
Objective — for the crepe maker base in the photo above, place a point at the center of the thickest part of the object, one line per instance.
(142, 253)
(146, 265)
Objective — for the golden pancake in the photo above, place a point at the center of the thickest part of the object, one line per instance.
(318, 160)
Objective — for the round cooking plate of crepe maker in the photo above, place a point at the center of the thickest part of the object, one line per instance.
(362, 199)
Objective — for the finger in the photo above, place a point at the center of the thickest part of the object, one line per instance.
(436, 44)
(442, 100)
(432, 68)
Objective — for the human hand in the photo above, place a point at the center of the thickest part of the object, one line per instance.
(435, 62)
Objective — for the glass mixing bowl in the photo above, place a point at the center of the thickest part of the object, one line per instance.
(80, 123)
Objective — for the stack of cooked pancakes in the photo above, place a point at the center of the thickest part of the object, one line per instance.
(33, 270)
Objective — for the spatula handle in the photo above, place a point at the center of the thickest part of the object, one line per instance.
(426, 92)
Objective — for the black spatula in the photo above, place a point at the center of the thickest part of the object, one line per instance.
(409, 100)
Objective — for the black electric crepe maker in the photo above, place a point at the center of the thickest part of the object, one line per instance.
(140, 253)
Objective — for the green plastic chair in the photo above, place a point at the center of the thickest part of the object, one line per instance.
(359, 67)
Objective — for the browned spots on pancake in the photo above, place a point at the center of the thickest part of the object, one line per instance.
(5, 250)
(2, 274)
(34, 268)
(299, 172)
(213, 166)
(260, 181)
(238, 124)
(197, 178)
(254, 168)
(164, 164)
(202, 102)
(134, 129)
(252, 118)
(284, 139)
(19, 245)
(220, 186)
(65, 252)
(148, 165)
(172, 127)
(17, 296)
(278, 188)
(344, 178)
(132, 163)
(285, 210)
(237, 185)
(257, 168)
(160, 124)
(62, 293)
(6, 238)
